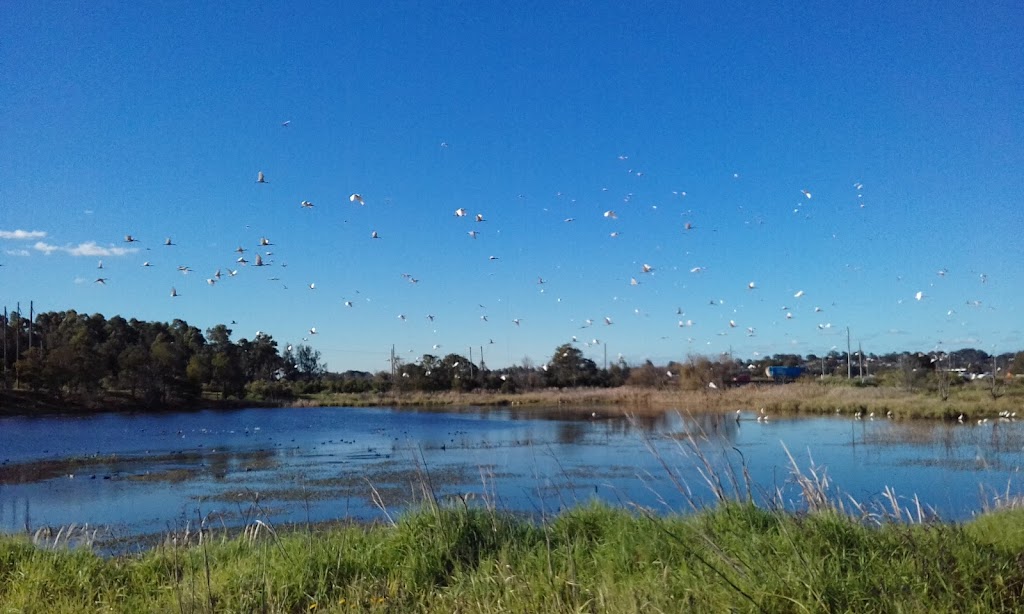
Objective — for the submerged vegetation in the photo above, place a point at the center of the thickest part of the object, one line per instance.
(62, 361)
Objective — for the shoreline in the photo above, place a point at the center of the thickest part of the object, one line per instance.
(785, 399)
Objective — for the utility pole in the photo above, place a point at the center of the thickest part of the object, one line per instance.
(860, 354)
(605, 346)
(17, 346)
(392, 359)
(31, 317)
(849, 356)
(5, 346)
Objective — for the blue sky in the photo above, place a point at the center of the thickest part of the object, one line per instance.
(152, 120)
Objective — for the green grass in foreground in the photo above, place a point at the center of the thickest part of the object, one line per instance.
(594, 559)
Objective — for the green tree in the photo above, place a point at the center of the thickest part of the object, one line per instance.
(308, 363)
(224, 359)
(569, 368)
(1017, 364)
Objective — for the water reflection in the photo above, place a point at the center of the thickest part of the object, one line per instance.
(145, 473)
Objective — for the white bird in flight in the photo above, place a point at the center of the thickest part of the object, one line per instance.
(480, 217)
(260, 178)
(130, 239)
(798, 294)
(306, 204)
(356, 198)
(806, 193)
(460, 212)
(174, 291)
(374, 235)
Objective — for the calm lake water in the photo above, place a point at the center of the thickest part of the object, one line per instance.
(138, 475)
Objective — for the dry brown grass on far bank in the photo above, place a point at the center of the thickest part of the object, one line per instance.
(793, 398)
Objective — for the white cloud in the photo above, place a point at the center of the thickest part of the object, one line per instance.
(22, 234)
(16, 252)
(89, 248)
(46, 248)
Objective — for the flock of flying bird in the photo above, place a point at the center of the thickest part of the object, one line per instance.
(261, 256)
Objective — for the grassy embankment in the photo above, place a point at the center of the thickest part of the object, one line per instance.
(737, 557)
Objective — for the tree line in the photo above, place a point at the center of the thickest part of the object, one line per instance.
(67, 354)
(156, 363)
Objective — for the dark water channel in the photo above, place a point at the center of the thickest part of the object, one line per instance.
(139, 475)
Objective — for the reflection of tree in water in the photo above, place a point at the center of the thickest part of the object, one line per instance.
(712, 426)
(571, 432)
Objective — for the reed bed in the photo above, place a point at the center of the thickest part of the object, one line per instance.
(750, 552)
(971, 401)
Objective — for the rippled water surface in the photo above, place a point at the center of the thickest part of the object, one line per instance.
(139, 475)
